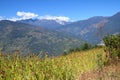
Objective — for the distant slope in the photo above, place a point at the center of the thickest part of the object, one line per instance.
(28, 38)
(50, 24)
(113, 24)
(85, 29)
(93, 29)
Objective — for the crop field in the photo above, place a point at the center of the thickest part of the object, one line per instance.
(69, 67)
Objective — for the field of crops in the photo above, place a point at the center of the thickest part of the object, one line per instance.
(68, 67)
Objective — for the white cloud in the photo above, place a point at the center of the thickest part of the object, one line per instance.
(14, 19)
(58, 18)
(21, 15)
(26, 15)
(1, 18)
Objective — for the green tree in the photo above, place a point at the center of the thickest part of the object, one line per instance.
(112, 43)
(86, 46)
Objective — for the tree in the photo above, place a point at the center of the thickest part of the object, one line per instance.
(86, 46)
(112, 43)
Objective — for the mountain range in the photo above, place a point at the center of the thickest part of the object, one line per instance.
(49, 24)
(34, 39)
(53, 36)
(93, 29)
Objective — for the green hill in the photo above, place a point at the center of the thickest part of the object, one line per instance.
(33, 39)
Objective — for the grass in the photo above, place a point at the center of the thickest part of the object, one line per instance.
(69, 67)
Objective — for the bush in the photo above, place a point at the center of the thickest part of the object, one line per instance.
(112, 46)
(86, 46)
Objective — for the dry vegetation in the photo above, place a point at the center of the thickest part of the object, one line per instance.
(111, 72)
(75, 66)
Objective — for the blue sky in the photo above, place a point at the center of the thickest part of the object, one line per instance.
(73, 9)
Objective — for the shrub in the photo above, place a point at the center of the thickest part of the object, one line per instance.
(112, 46)
(86, 46)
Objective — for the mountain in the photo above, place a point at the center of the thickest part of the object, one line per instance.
(50, 36)
(50, 24)
(113, 24)
(93, 29)
(85, 29)
(33, 39)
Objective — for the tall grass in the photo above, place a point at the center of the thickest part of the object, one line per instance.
(68, 67)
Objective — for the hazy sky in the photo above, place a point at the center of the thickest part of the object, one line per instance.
(67, 9)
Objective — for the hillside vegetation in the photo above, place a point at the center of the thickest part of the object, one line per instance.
(68, 67)
(28, 38)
